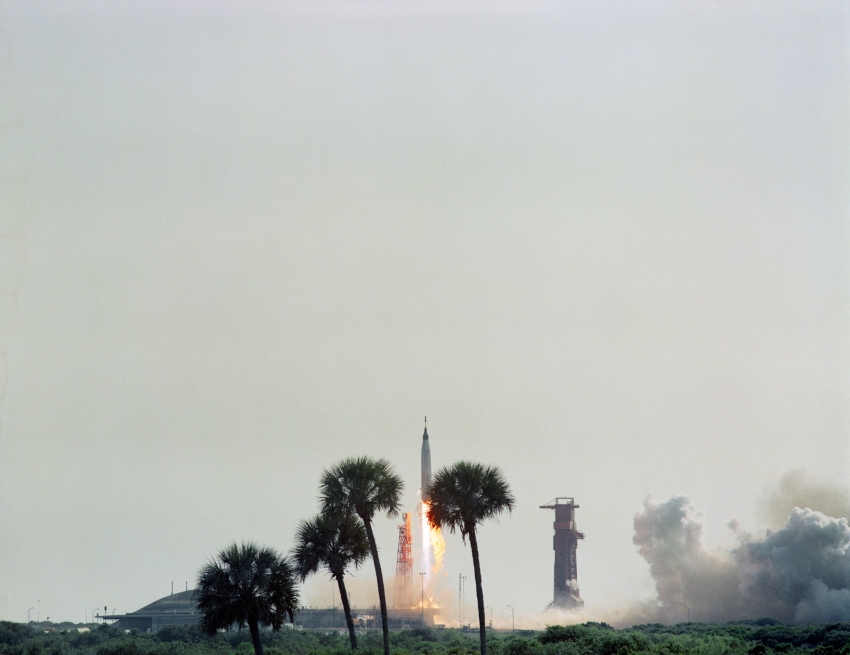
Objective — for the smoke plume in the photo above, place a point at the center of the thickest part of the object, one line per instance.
(799, 572)
(687, 575)
(798, 489)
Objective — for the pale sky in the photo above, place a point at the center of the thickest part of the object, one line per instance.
(603, 246)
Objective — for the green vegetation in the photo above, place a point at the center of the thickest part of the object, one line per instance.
(245, 585)
(464, 495)
(364, 487)
(764, 637)
(333, 543)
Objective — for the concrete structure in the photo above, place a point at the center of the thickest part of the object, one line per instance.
(565, 543)
(180, 609)
(326, 618)
(176, 609)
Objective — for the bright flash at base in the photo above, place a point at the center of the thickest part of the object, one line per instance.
(433, 548)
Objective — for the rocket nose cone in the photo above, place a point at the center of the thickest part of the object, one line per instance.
(425, 435)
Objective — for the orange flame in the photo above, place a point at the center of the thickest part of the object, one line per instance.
(435, 538)
(428, 602)
(439, 546)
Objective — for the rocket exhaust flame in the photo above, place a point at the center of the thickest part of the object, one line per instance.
(439, 546)
(433, 543)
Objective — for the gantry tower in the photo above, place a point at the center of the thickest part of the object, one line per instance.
(403, 596)
(565, 543)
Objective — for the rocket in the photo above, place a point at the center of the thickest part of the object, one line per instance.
(425, 487)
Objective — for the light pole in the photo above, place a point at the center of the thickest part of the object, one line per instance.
(38, 611)
(459, 606)
(513, 623)
(462, 598)
(491, 616)
(28, 613)
(422, 577)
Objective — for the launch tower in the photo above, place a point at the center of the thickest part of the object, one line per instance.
(565, 543)
(404, 565)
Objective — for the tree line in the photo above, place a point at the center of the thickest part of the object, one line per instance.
(249, 585)
(762, 637)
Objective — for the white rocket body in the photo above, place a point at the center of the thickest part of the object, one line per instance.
(425, 486)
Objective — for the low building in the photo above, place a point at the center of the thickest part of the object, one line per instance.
(181, 609)
(326, 618)
(176, 609)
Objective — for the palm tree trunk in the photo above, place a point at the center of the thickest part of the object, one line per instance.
(479, 590)
(347, 609)
(373, 547)
(255, 636)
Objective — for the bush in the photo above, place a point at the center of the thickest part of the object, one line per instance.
(520, 646)
(557, 633)
(14, 633)
(127, 646)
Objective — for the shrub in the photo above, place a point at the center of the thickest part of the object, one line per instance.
(14, 633)
(557, 633)
(519, 646)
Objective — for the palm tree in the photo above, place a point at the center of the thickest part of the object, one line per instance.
(335, 543)
(364, 487)
(462, 496)
(247, 584)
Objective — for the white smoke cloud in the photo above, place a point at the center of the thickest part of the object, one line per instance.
(800, 572)
(799, 489)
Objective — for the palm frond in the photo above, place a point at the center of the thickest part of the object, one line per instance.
(466, 494)
(361, 486)
(332, 541)
(246, 582)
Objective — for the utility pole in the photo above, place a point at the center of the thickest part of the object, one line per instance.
(462, 598)
(513, 623)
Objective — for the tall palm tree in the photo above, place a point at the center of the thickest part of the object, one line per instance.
(247, 585)
(335, 543)
(364, 487)
(462, 496)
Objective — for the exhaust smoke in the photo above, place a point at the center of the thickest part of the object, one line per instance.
(799, 572)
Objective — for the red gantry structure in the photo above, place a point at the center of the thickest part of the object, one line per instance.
(403, 596)
(565, 543)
